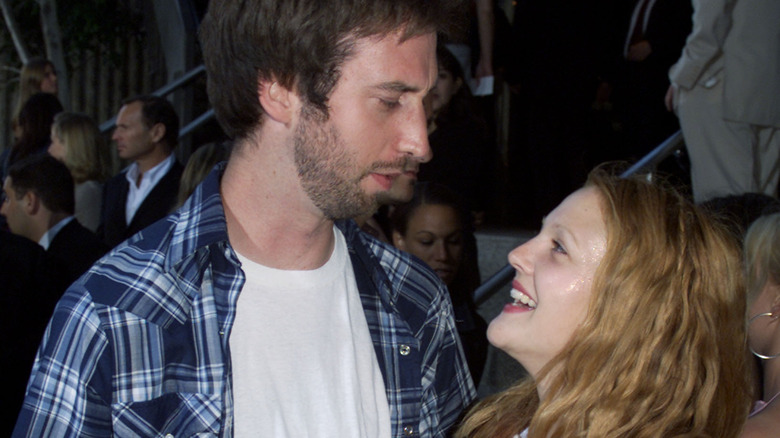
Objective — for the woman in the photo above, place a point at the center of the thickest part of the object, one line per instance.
(34, 126)
(628, 315)
(435, 227)
(76, 141)
(198, 167)
(38, 76)
(762, 260)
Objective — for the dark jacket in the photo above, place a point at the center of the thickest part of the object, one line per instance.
(77, 248)
(158, 203)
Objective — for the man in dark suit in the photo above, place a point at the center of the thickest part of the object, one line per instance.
(31, 283)
(147, 130)
(39, 204)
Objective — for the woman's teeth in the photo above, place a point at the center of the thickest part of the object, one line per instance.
(522, 298)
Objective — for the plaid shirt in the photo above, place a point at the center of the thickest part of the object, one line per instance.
(139, 345)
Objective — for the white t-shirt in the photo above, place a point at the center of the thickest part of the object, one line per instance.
(302, 357)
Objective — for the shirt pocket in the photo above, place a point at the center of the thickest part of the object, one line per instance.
(172, 415)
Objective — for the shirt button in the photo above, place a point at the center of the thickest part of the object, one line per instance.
(169, 435)
(405, 350)
(408, 430)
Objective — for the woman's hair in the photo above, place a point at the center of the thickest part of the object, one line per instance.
(762, 253)
(35, 121)
(198, 166)
(662, 349)
(30, 79)
(86, 156)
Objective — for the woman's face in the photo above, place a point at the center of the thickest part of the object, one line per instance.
(552, 285)
(446, 87)
(49, 81)
(435, 236)
(57, 148)
(761, 331)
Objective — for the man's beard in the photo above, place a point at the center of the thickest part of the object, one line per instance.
(327, 172)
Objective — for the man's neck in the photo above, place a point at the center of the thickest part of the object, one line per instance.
(147, 162)
(270, 219)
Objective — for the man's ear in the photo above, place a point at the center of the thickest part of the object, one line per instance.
(157, 132)
(279, 102)
(398, 241)
(31, 203)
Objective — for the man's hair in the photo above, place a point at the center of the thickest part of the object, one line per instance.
(302, 44)
(661, 351)
(48, 178)
(154, 110)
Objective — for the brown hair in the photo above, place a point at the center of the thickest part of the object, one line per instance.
(299, 43)
(662, 350)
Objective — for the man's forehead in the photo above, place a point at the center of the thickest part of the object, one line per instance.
(397, 64)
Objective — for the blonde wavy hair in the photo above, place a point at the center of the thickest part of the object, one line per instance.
(86, 156)
(762, 253)
(662, 351)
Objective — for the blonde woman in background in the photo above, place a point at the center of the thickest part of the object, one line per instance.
(762, 260)
(198, 166)
(76, 141)
(628, 314)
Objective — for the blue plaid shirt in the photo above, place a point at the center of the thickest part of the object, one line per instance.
(139, 345)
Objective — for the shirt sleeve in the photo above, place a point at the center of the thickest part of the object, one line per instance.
(61, 399)
(447, 385)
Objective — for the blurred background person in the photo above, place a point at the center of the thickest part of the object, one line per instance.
(38, 75)
(463, 154)
(628, 313)
(435, 227)
(146, 134)
(76, 141)
(198, 166)
(39, 204)
(34, 125)
(32, 283)
(762, 260)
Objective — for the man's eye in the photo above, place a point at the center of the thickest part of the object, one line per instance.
(390, 104)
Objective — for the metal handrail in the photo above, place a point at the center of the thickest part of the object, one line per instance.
(650, 161)
(167, 89)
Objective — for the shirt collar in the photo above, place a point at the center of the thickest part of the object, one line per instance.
(200, 222)
(51, 233)
(152, 175)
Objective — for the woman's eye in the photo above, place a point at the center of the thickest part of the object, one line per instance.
(426, 242)
(557, 247)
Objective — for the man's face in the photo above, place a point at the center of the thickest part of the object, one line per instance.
(133, 139)
(375, 137)
(12, 209)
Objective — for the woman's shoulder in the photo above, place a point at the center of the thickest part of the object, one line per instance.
(764, 424)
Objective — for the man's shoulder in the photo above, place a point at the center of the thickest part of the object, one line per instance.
(136, 271)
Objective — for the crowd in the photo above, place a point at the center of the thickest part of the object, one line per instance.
(314, 275)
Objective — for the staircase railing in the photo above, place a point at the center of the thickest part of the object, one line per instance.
(167, 89)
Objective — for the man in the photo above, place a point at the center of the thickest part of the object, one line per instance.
(247, 312)
(32, 282)
(724, 89)
(39, 204)
(147, 131)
